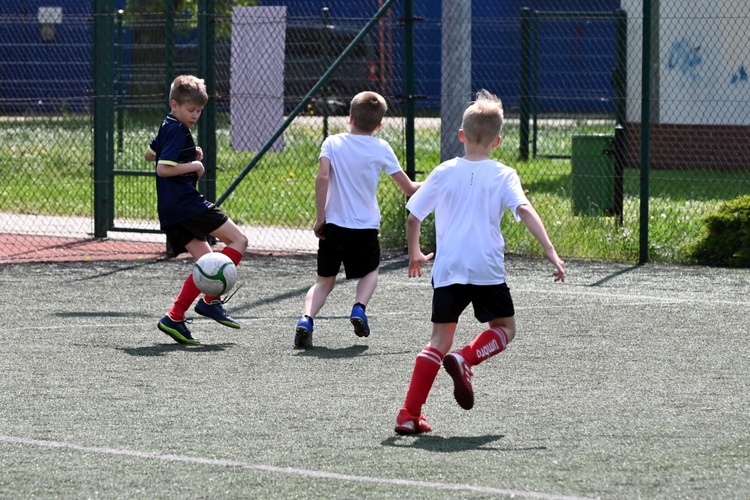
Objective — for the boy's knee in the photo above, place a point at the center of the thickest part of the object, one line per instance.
(239, 240)
(243, 240)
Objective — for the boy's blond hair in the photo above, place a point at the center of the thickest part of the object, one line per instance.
(483, 119)
(188, 89)
(367, 110)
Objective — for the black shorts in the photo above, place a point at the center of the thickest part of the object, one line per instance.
(489, 301)
(357, 249)
(194, 228)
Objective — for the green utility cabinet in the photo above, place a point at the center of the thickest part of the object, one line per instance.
(593, 174)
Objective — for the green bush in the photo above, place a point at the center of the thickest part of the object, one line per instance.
(727, 242)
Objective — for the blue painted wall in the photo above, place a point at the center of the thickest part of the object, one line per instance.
(576, 56)
(39, 74)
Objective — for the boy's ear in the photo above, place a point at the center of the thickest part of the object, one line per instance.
(461, 135)
(498, 140)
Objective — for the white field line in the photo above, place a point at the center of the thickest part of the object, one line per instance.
(287, 470)
(625, 296)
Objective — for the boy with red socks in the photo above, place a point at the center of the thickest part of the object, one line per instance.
(469, 196)
(185, 215)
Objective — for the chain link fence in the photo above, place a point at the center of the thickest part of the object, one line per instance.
(608, 183)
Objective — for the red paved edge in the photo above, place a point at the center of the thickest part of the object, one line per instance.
(16, 248)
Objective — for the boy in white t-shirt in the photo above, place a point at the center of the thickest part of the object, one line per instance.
(348, 215)
(469, 196)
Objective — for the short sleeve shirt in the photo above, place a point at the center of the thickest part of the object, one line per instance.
(356, 164)
(177, 197)
(469, 199)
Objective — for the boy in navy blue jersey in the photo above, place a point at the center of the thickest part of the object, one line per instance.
(185, 215)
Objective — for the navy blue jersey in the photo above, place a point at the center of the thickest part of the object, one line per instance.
(178, 198)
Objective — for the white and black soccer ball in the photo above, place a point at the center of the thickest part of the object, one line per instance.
(214, 274)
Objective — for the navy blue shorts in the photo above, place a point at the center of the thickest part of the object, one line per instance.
(489, 301)
(357, 249)
(198, 227)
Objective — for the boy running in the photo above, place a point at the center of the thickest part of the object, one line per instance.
(185, 215)
(348, 215)
(469, 196)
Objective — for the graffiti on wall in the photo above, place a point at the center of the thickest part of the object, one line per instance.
(685, 57)
(725, 41)
(733, 17)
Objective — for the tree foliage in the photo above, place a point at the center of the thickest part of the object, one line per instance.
(727, 240)
(148, 12)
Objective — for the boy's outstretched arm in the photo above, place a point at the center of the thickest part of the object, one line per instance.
(416, 257)
(408, 186)
(534, 223)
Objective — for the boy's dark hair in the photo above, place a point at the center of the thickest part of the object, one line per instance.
(367, 110)
(188, 89)
(483, 119)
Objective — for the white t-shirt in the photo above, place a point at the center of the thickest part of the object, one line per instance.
(356, 164)
(469, 199)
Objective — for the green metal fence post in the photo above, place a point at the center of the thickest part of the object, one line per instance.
(104, 117)
(523, 146)
(207, 71)
(168, 50)
(645, 130)
(620, 77)
(410, 88)
(534, 84)
(326, 61)
(120, 84)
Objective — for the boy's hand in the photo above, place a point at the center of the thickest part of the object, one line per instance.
(559, 264)
(198, 153)
(318, 229)
(416, 261)
(559, 275)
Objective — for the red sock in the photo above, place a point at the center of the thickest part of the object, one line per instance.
(426, 368)
(185, 298)
(484, 346)
(236, 258)
(233, 254)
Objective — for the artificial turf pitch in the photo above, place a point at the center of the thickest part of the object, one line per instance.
(624, 382)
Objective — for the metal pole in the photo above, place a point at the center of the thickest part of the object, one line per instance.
(620, 77)
(645, 129)
(455, 74)
(120, 85)
(168, 50)
(523, 146)
(207, 70)
(620, 159)
(104, 118)
(534, 84)
(410, 88)
(326, 53)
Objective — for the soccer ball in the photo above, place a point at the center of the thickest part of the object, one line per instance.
(214, 274)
